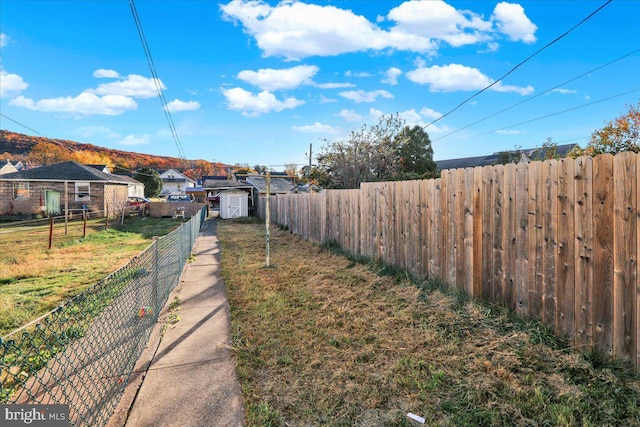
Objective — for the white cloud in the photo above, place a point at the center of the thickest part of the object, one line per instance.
(131, 140)
(4, 40)
(512, 21)
(422, 119)
(317, 127)
(253, 105)
(85, 103)
(134, 86)
(360, 96)
(455, 77)
(12, 84)
(391, 76)
(97, 131)
(375, 114)
(414, 118)
(332, 85)
(509, 132)
(437, 20)
(349, 73)
(325, 100)
(562, 91)
(176, 105)
(105, 74)
(288, 78)
(296, 30)
(430, 114)
(349, 115)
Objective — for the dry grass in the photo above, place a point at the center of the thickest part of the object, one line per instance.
(324, 340)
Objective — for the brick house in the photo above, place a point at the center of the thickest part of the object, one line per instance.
(63, 187)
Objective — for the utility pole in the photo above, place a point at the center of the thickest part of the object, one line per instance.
(310, 155)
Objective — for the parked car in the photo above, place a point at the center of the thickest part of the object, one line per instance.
(180, 198)
(138, 204)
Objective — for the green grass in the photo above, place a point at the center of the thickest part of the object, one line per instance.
(35, 279)
(324, 339)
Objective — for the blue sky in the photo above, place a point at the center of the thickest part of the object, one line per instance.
(256, 81)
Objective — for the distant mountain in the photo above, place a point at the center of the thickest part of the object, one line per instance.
(40, 150)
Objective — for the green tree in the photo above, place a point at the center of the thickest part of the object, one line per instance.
(415, 154)
(388, 150)
(151, 180)
(620, 134)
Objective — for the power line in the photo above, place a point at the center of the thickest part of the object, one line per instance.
(535, 96)
(60, 143)
(156, 79)
(521, 63)
(558, 112)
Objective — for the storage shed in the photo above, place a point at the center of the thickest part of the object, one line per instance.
(234, 204)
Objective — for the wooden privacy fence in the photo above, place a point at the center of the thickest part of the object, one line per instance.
(555, 240)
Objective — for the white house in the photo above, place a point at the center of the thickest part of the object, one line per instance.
(174, 182)
(7, 168)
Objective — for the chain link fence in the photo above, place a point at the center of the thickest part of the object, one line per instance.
(83, 353)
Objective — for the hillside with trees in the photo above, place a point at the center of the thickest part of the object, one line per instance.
(45, 151)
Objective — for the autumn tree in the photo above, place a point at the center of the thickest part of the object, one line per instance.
(46, 153)
(386, 151)
(89, 157)
(620, 134)
(291, 169)
(151, 180)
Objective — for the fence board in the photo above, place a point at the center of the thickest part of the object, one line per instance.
(459, 226)
(624, 252)
(549, 247)
(416, 229)
(437, 255)
(534, 237)
(497, 291)
(447, 251)
(636, 300)
(583, 252)
(521, 235)
(478, 209)
(509, 236)
(426, 193)
(565, 290)
(469, 216)
(603, 252)
(488, 218)
(450, 222)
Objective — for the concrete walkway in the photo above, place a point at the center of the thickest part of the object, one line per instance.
(191, 378)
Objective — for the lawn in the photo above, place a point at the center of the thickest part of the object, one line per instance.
(35, 279)
(325, 340)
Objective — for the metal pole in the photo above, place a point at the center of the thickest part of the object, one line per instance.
(267, 216)
(66, 207)
(50, 231)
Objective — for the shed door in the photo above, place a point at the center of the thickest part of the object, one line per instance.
(235, 206)
(52, 202)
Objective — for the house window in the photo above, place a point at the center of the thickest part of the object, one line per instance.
(21, 190)
(83, 193)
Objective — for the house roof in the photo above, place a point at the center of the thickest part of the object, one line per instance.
(537, 153)
(209, 183)
(277, 185)
(67, 171)
(129, 179)
(172, 175)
